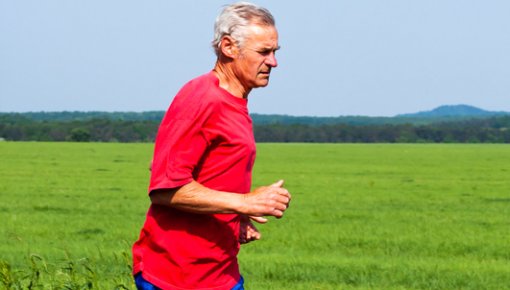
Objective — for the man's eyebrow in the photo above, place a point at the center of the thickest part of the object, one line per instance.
(270, 48)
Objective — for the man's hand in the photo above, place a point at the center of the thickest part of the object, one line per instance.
(248, 232)
(270, 200)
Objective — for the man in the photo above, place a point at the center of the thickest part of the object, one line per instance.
(201, 204)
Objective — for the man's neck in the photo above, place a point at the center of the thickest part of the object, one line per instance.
(229, 81)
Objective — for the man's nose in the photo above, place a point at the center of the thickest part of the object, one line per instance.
(271, 60)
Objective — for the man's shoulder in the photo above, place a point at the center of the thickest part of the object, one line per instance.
(203, 88)
(197, 97)
(204, 78)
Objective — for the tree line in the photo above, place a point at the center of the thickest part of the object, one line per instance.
(460, 132)
(17, 127)
(20, 128)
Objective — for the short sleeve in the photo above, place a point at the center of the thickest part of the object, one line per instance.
(181, 141)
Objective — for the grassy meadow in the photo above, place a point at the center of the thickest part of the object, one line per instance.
(363, 216)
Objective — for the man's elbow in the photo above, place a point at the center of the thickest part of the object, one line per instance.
(162, 196)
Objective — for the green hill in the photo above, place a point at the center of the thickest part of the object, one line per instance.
(454, 111)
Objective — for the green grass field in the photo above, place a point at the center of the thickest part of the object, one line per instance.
(363, 216)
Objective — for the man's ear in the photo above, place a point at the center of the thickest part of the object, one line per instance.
(228, 47)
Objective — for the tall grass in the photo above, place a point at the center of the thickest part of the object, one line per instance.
(362, 216)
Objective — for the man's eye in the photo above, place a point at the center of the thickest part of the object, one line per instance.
(265, 52)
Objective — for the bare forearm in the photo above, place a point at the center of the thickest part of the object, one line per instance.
(196, 198)
(193, 197)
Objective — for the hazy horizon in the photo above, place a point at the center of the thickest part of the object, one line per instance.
(397, 115)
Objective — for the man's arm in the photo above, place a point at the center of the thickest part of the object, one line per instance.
(270, 200)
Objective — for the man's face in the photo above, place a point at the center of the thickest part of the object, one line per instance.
(257, 56)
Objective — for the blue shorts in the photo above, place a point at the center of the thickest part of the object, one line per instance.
(142, 284)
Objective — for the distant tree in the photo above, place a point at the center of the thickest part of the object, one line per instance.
(80, 135)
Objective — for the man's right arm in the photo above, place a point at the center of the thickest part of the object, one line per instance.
(193, 197)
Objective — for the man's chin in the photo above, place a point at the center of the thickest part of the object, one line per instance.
(262, 83)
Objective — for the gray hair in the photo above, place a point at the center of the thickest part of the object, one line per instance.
(235, 19)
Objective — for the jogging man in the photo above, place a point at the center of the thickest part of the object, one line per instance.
(201, 204)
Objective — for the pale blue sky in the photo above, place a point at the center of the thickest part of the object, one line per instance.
(356, 57)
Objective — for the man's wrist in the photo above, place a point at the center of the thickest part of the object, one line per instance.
(239, 203)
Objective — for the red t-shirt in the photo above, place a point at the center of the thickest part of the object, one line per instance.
(207, 136)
